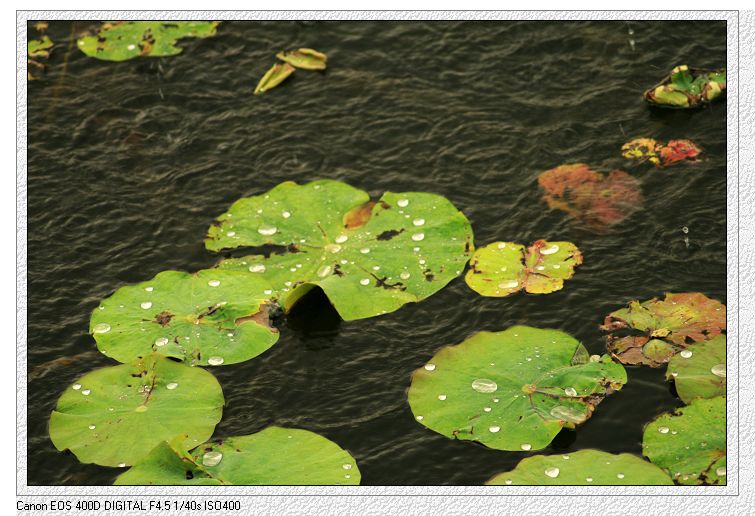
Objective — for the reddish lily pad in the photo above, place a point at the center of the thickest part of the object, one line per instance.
(503, 268)
(596, 199)
(666, 327)
(675, 151)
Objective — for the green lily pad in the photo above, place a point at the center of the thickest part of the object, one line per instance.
(700, 370)
(690, 443)
(305, 58)
(211, 317)
(116, 415)
(686, 87)
(273, 77)
(583, 468)
(503, 268)
(668, 326)
(39, 47)
(274, 456)
(370, 258)
(120, 41)
(512, 390)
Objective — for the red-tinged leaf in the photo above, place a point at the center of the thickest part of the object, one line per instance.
(677, 151)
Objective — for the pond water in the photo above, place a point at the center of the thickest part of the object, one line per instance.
(129, 163)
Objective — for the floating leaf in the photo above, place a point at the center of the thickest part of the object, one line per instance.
(116, 415)
(370, 258)
(512, 390)
(647, 149)
(641, 149)
(596, 199)
(583, 468)
(212, 317)
(668, 326)
(503, 268)
(685, 87)
(274, 456)
(37, 48)
(120, 41)
(700, 370)
(690, 443)
(676, 151)
(304, 58)
(273, 77)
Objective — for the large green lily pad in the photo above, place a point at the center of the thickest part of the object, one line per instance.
(512, 390)
(700, 370)
(369, 257)
(503, 268)
(583, 468)
(212, 317)
(690, 443)
(686, 87)
(120, 41)
(274, 456)
(116, 415)
(666, 326)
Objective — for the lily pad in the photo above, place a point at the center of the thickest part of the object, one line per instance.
(116, 415)
(304, 58)
(675, 151)
(512, 390)
(583, 468)
(274, 456)
(662, 328)
(687, 87)
(598, 200)
(700, 370)
(690, 444)
(273, 77)
(36, 49)
(212, 317)
(503, 268)
(369, 257)
(120, 41)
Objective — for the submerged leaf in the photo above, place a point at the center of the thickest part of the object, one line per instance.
(690, 443)
(595, 199)
(212, 317)
(305, 58)
(700, 372)
(503, 268)
(120, 41)
(273, 77)
(511, 390)
(673, 324)
(370, 258)
(647, 149)
(116, 415)
(685, 87)
(583, 468)
(274, 456)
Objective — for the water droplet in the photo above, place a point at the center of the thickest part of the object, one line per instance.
(442, 397)
(231, 233)
(146, 305)
(594, 358)
(92, 427)
(487, 409)
(212, 458)
(565, 457)
(619, 475)
(556, 266)
(347, 476)
(570, 391)
(101, 328)
(333, 248)
(267, 292)
(267, 230)
(495, 429)
(663, 429)
(171, 386)
(122, 464)
(552, 472)
(161, 341)
(213, 283)
(686, 353)
(422, 262)
(589, 479)
(495, 400)
(215, 360)
(346, 466)
(430, 367)
(420, 418)
(418, 222)
(721, 472)
(76, 386)
(540, 268)
(508, 482)
(549, 250)
(257, 268)
(484, 385)
(508, 284)
(86, 392)
(131, 46)
(340, 239)
(418, 236)
(325, 271)
(364, 250)
(149, 289)
(416, 249)
(526, 446)
(403, 203)
(286, 214)
(719, 370)
(404, 275)
(364, 281)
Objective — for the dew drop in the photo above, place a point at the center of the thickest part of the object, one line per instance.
(404, 275)
(161, 341)
(686, 353)
(418, 236)
(552, 472)
(663, 429)
(267, 292)
(418, 222)
(122, 464)
(495, 429)
(286, 214)
(403, 203)
(212, 458)
(484, 385)
(86, 392)
(430, 367)
(333, 248)
(420, 418)
(549, 250)
(92, 427)
(442, 397)
(619, 475)
(594, 358)
(364, 250)
(101, 328)
(213, 283)
(589, 479)
(149, 289)
(502, 245)
(526, 447)
(570, 391)
(325, 271)
(76, 386)
(146, 305)
(171, 386)
(215, 360)
(540, 268)
(721, 472)
(719, 370)
(346, 466)
(508, 482)
(508, 284)
(340, 239)
(364, 281)
(257, 268)
(231, 233)
(267, 230)
(131, 47)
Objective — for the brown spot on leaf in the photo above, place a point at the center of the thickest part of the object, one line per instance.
(163, 318)
(262, 317)
(390, 233)
(359, 216)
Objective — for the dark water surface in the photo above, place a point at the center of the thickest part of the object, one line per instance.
(130, 162)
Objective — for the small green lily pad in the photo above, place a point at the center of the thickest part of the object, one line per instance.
(273, 77)
(512, 390)
(686, 87)
(583, 468)
(274, 456)
(668, 326)
(700, 370)
(369, 257)
(503, 268)
(212, 317)
(116, 415)
(304, 58)
(120, 41)
(690, 443)
(39, 47)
